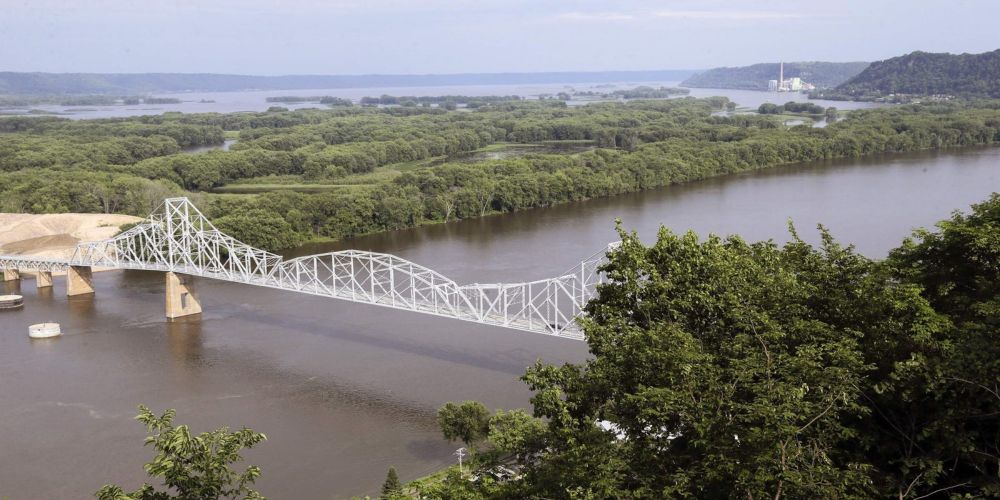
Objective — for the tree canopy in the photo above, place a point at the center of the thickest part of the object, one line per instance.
(341, 172)
(925, 73)
(727, 369)
(192, 466)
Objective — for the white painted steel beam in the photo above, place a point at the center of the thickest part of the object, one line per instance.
(178, 238)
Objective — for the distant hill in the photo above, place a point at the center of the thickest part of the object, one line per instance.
(755, 77)
(12, 83)
(925, 73)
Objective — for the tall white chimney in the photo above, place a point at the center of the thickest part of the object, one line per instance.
(781, 75)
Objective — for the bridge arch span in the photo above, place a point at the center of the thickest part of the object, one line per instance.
(178, 238)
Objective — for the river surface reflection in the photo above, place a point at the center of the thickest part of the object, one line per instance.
(342, 390)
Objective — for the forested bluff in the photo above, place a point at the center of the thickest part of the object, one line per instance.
(348, 171)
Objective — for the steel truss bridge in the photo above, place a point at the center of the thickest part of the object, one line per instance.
(177, 238)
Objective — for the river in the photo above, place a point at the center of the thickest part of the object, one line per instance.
(342, 390)
(256, 100)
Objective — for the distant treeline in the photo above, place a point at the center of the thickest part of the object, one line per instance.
(755, 77)
(82, 100)
(791, 107)
(471, 101)
(371, 158)
(644, 92)
(641, 92)
(79, 100)
(148, 83)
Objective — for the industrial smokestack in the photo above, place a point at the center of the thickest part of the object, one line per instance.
(781, 75)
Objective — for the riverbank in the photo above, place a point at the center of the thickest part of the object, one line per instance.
(56, 235)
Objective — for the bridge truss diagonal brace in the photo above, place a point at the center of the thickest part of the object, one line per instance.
(179, 240)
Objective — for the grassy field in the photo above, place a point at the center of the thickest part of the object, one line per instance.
(380, 175)
(302, 188)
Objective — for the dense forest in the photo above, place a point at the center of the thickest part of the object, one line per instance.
(144, 83)
(337, 173)
(925, 74)
(755, 77)
(722, 368)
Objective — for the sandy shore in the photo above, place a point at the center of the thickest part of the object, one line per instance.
(55, 235)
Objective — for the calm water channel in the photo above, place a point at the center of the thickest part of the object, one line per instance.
(256, 100)
(343, 391)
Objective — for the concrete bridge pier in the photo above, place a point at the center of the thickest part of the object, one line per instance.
(11, 275)
(43, 279)
(79, 280)
(182, 300)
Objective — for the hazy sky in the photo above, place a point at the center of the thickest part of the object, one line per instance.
(270, 37)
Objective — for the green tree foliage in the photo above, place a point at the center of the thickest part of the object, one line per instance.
(388, 168)
(259, 228)
(192, 466)
(727, 369)
(720, 371)
(806, 108)
(944, 432)
(514, 431)
(925, 73)
(459, 487)
(468, 422)
(770, 109)
(391, 488)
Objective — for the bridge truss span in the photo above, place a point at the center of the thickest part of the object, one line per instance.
(178, 238)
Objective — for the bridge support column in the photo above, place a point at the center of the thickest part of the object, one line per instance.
(11, 275)
(79, 280)
(43, 279)
(181, 297)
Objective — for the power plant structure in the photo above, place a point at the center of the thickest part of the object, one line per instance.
(794, 84)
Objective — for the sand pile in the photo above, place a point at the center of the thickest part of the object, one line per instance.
(55, 235)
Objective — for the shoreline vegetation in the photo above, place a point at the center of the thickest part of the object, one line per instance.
(330, 174)
(20, 101)
(782, 371)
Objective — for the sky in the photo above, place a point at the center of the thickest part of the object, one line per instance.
(276, 37)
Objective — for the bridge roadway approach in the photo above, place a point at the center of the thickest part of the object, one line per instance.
(178, 240)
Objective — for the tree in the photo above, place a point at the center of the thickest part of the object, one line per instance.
(770, 109)
(192, 466)
(259, 228)
(954, 389)
(723, 368)
(468, 422)
(514, 431)
(726, 369)
(391, 488)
